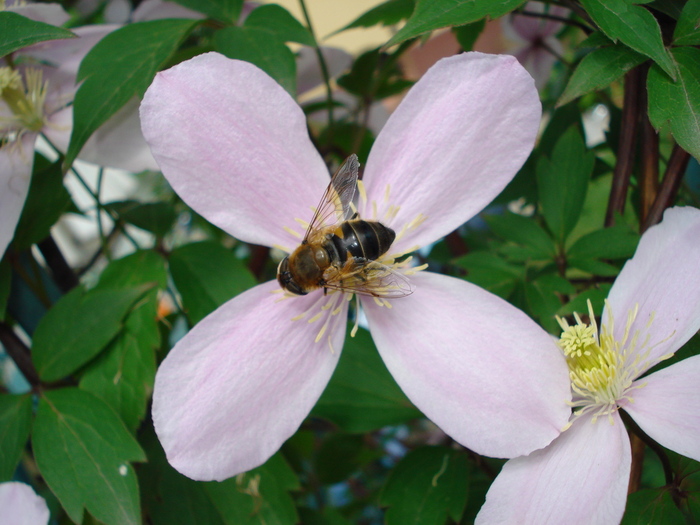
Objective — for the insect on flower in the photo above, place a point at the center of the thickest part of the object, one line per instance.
(340, 250)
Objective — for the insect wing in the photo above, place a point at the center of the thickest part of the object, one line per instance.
(369, 278)
(335, 203)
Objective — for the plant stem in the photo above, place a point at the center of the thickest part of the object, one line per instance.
(668, 190)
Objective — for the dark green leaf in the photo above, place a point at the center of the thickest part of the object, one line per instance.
(599, 69)
(277, 21)
(687, 30)
(18, 31)
(434, 14)
(579, 304)
(155, 217)
(15, 424)
(562, 183)
(119, 67)
(374, 76)
(123, 375)
(491, 272)
(258, 497)
(593, 266)
(226, 11)
(543, 300)
(427, 487)
(634, 26)
(78, 327)
(617, 242)
(362, 395)
(524, 231)
(387, 14)
(259, 47)
(338, 457)
(678, 103)
(207, 275)
(47, 200)
(467, 34)
(83, 452)
(651, 506)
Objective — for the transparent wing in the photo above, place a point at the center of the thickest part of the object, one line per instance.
(335, 203)
(368, 278)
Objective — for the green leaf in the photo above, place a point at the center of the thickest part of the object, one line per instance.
(593, 266)
(258, 497)
(524, 231)
(599, 69)
(649, 506)
(338, 457)
(18, 31)
(467, 34)
(434, 14)
(562, 183)
(491, 272)
(5, 284)
(386, 14)
(78, 327)
(226, 11)
(687, 30)
(120, 66)
(47, 200)
(678, 103)
(83, 452)
(123, 375)
(277, 21)
(617, 242)
(362, 395)
(427, 487)
(579, 304)
(370, 78)
(15, 425)
(155, 217)
(207, 275)
(634, 26)
(259, 47)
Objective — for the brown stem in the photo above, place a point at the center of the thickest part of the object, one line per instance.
(638, 447)
(258, 258)
(456, 244)
(668, 190)
(626, 147)
(62, 273)
(649, 173)
(19, 353)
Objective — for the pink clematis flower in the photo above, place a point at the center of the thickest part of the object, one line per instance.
(234, 145)
(20, 505)
(652, 310)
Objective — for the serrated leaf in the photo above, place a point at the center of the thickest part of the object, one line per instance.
(427, 487)
(78, 327)
(616, 242)
(19, 31)
(599, 69)
(678, 103)
(258, 47)
(123, 375)
(15, 425)
(119, 67)
(434, 14)
(687, 30)
(524, 231)
(634, 26)
(387, 14)
(226, 11)
(362, 395)
(562, 183)
(83, 452)
(258, 497)
(155, 217)
(207, 275)
(280, 23)
(46, 201)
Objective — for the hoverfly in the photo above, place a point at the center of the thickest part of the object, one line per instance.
(340, 250)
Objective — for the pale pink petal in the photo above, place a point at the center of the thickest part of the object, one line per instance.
(52, 14)
(455, 141)
(16, 161)
(667, 407)
(20, 505)
(478, 367)
(241, 382)
(662, 279)
(234, 145)
(581, 478)
(157, 9)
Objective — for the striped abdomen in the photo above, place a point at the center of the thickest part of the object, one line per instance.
(367, 240)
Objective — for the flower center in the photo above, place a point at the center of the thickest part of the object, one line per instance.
(602, 369)
(25, 99)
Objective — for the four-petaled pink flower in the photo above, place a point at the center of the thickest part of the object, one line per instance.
(234, 145)
(582, 477)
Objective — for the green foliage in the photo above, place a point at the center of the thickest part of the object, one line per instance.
(226, 11)
(649, 506)
(15, 420)
(156, 217)
(18, 31)
(388, 13)
(687, 31)
(428, 486)
(280, 24)
(83, 452)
